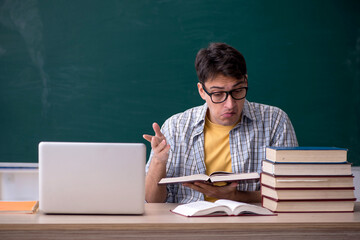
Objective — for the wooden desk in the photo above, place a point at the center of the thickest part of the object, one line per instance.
(159, 223)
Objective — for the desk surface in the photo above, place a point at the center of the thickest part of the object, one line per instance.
(159, 222)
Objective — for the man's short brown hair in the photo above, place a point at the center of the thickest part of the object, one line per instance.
(219, 58)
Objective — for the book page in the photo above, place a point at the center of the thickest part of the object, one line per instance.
(234, 177)
(230, 204)
(220, 173)
(201, 208)
(243, 208)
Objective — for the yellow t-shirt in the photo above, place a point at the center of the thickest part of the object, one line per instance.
(217, 149)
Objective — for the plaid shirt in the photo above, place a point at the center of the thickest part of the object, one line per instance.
(260, 126)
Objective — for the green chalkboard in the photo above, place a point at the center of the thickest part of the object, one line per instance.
(103, 71)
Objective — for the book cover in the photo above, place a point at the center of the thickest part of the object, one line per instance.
(214, 177)
(342, 181)
(300, 169)
(306, 154)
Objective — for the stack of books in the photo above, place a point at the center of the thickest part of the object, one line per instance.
(307, 179)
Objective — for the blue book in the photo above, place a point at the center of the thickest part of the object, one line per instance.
(306, 155)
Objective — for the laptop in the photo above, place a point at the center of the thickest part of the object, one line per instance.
(91, 178)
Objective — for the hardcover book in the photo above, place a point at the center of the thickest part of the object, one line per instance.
(279, 182)
(220, 207)
(301, 169)
(337, 205)
(214, 177)
(306, 154)
(307, 193)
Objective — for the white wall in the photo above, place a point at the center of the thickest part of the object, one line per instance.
(19, 185)
(356, 172)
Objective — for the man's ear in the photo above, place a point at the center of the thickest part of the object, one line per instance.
(201, 91)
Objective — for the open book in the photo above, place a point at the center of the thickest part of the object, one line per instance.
(214, 177)
(220, 207)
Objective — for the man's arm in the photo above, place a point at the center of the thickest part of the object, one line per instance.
(153, 191)
(225, 192)
(157, 168)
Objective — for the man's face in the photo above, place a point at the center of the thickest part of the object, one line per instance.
(228, 112)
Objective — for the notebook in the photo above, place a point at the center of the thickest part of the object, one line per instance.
(91, 178)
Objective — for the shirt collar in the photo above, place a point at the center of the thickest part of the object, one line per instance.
(247, 112)
(201, 116)
(200, 119)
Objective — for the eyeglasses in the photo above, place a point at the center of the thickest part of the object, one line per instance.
(221, 96)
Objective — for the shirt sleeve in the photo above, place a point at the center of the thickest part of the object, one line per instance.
(165, 129)
(283, 131)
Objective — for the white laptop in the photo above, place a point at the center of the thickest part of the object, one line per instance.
(92, 178)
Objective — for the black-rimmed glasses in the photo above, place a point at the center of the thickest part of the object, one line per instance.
(221, 96)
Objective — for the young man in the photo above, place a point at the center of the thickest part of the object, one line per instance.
(227, 133)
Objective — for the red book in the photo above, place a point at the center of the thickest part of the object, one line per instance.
(319, 205)
(307, 193)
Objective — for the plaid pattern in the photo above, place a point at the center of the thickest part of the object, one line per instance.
(261, 126)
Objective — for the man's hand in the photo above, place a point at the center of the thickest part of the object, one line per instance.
(157, 168)
(210, 190)
(158, 144)
(224, 192)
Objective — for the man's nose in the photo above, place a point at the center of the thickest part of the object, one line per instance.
(229, 102)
